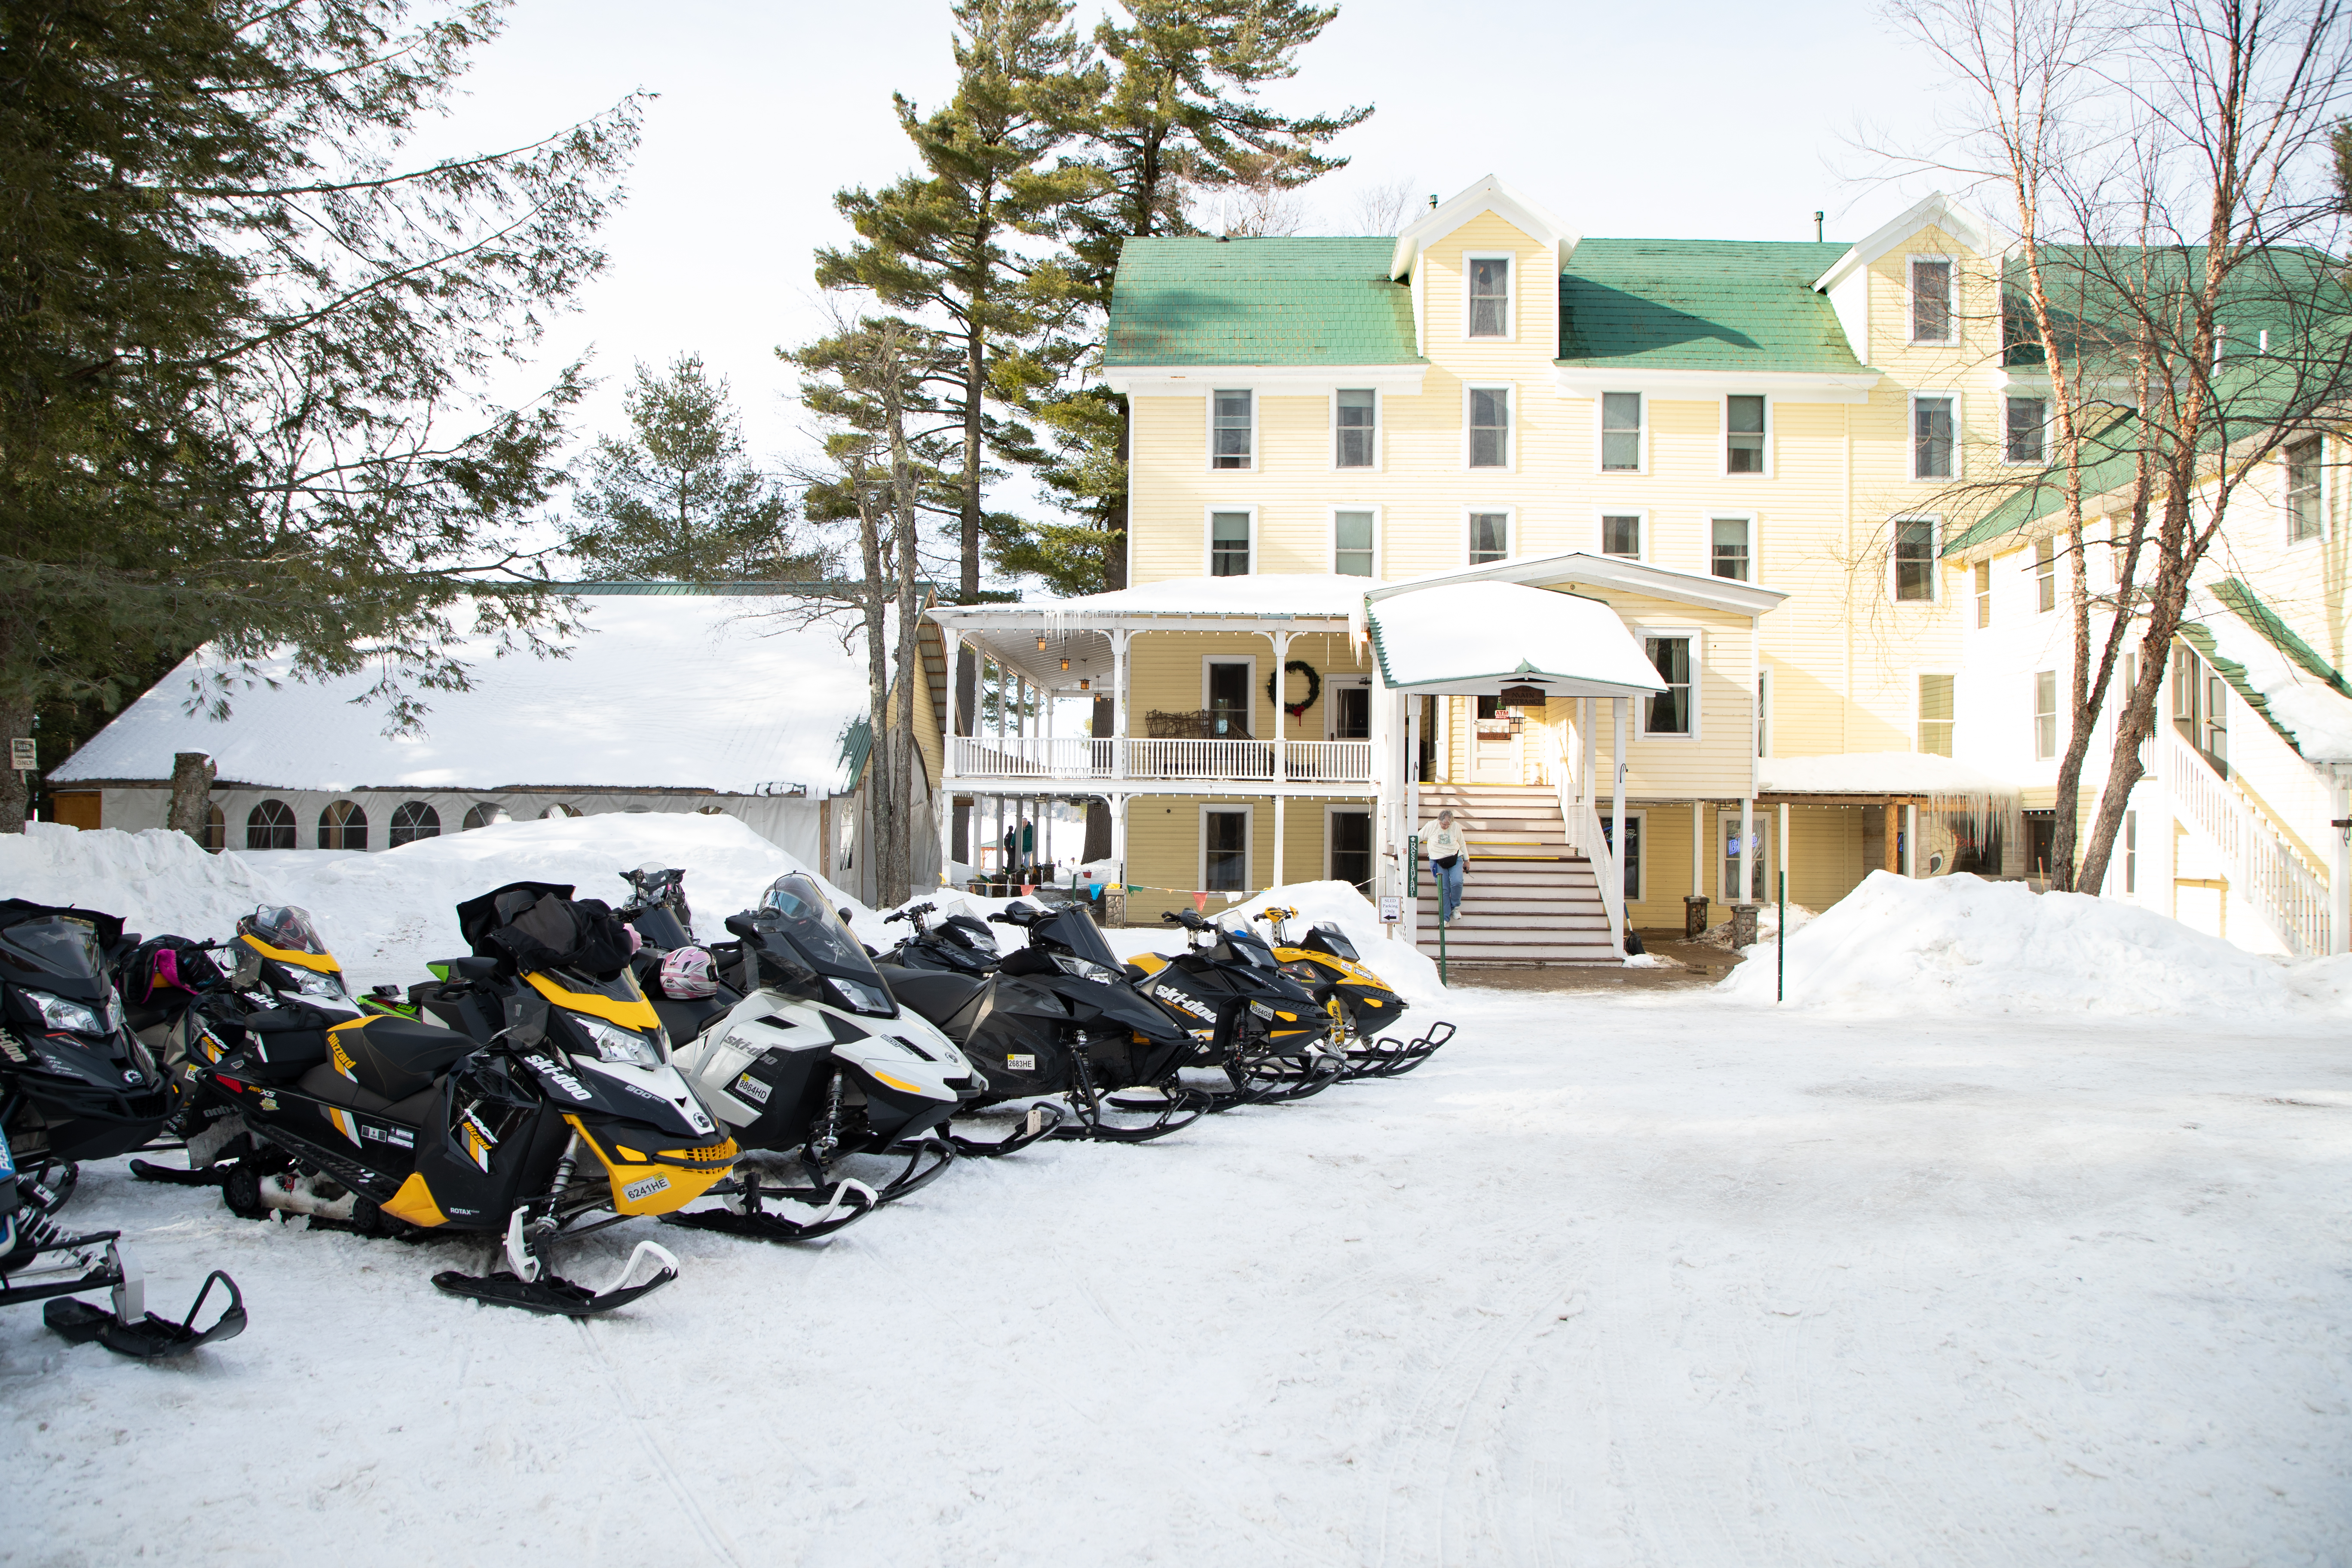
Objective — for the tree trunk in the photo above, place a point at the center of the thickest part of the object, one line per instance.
(192, 789)
(15, 720)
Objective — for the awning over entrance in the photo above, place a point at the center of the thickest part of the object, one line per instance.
(1475, 638)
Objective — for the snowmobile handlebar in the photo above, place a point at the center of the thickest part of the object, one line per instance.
(914, 912)
(1188, 919)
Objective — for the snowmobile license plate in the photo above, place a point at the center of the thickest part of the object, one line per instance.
(1022, 1063)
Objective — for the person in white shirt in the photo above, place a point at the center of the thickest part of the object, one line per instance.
(1448, 857)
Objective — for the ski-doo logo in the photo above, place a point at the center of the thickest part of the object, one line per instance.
(637, 1191)
(399, 1138)
(1175, 998)
(751, 1089)
(561, 1079)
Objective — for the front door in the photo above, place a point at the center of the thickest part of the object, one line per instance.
(1351, 849)
(1493, 744)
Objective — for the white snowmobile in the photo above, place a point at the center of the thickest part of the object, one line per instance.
(806, 1053)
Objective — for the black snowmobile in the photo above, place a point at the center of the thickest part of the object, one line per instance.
(1057, 1018)
(553, 1101)
(1268, 1032)
(801, 1050)
(1360, 1004)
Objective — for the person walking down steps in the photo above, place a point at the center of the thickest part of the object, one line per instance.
(1448, 857)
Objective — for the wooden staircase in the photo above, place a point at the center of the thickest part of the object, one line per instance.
(1529, 898)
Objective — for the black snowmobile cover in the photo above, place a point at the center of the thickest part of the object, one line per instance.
(527, 926)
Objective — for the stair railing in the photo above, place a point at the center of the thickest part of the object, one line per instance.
(2292, 897)
(1581, 817)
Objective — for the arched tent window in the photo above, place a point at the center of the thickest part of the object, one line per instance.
(270, 826)
(215, 830)
(482, 814)
(559, 809)
(412, 820)
(342, 825)
(710, 810)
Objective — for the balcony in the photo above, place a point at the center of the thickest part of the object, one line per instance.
(1078, 758)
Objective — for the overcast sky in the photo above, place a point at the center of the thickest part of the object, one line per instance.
(1699, 120)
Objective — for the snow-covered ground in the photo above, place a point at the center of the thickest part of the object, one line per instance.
(1668, 1277)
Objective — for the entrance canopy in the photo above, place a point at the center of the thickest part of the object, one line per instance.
(1476, 638)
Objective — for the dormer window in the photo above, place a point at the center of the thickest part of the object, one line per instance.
(1931, 300)
(1490, 296)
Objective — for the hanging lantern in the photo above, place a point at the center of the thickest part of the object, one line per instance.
(1066, 666)
(1041, 642)
(1084, 685)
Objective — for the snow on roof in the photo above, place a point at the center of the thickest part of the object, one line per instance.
(1467, 632)
(1874, 772)
(2318, 717)
(1256, 593)
(691, 692)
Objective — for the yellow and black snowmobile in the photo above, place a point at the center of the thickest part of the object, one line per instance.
(1358, 1002)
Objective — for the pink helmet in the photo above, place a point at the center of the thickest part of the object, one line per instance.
(686, 975)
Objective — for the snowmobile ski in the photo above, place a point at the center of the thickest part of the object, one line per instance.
(1040, 1123)
(1391, 1058)
(916, 1174)
(839, 1205)
(532, 1289)
(96, 1262)
(206, 1176)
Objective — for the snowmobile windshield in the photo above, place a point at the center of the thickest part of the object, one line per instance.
(1335, 943)
(56, 944)
(969, 933)
(1250, 948)
(284, 926)
(809, 924)
(1075, 929)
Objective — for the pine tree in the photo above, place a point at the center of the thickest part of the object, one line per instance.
(242, 343)
(938, 244)
(677, 501)
(1179, 114)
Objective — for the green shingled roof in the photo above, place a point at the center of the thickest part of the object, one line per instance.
(1258, 301)
(1701, 304)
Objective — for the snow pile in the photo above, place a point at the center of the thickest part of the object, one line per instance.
(1960, 944)
(387, 915)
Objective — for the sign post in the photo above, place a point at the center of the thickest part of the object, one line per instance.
(21, 759)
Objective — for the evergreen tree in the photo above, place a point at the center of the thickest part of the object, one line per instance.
(241, 341)
(1179, 114)
(677, 501)
(937, 242)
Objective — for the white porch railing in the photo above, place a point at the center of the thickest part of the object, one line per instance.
(2288, 893)
(1581, 819)
(1077, 757)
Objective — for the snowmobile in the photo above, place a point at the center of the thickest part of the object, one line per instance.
(801, 1048)
(1057, 1018)
(1266, 1031)
(92, 1262)
(75, 1082)
(553, 1099)
(1360, 1001)
(959, 944)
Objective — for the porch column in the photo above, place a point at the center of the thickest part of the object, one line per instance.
(1699, 848)
(1746, 850)
(1910, 837)
(1617, 774)
(1281, 641)
(1119, 839)
(1784, 847)
(1119, 728)
(1591, 732)
(2339, 876)
(943, 808)
(1412, 763)
(1280, 800)
(949, 639)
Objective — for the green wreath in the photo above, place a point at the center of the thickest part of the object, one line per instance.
(1314, 688)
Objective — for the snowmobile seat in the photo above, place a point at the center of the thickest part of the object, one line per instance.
(394, 1056)
(685, 1020)
(336, 1090)
(938, 995)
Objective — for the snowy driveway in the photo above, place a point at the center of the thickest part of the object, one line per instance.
(1653, 1279)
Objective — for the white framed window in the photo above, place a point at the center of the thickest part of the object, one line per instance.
(1911, 560)
(1935, 434)
(1677, 654)
(1229, 695)
(1759, 874)
(1630, 858)
(1355, 427)
(1232, 428)
(2045, 575)
(1934, 733)
(1746, 433)
(1984, 593)
(1229, 542)
(1624, 532)
(1764, 711)
(1225, 845)
(2305, 517)
(1622, 424)
(1731, 545)
(1934, 316)
(1488, 295)
(1356, 541)
(1489, 436)
(1347, 715)
(2045, 715)
(2025, 430)
(1486, 534)
(1348, 853)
